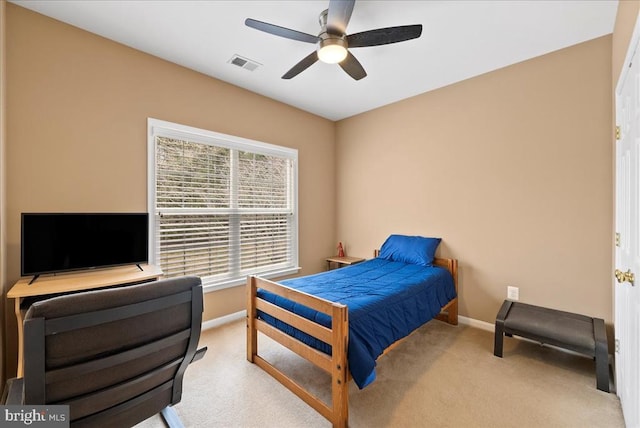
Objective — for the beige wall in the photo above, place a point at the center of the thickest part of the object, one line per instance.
(77, 112)
(513, 169)
(3, 128)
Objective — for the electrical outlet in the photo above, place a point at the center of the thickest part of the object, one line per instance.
(513, 293)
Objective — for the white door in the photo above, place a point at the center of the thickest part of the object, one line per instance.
(627, 258)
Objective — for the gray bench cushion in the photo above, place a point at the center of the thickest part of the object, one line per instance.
(552, 326)
(567, 330)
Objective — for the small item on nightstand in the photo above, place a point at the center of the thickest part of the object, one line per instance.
(340, 250)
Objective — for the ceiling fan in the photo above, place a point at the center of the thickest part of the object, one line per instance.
(333, 43)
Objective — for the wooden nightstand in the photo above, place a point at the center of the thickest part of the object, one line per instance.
(342, 261)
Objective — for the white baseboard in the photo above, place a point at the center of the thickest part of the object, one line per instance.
(477, 323)
(217, 322)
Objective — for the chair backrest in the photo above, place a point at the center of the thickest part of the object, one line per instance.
(116, 356)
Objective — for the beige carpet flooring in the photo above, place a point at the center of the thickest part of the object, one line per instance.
(441, 376)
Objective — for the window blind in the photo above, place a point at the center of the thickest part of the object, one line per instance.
(222, 209)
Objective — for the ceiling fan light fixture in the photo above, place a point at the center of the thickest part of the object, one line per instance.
(332, 50)
(332, 43)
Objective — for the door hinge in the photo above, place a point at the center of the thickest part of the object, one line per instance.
(617, 239)
(617, 132)
(617, 346)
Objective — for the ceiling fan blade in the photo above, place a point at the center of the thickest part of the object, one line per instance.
(353, 67)
(339, 16)
(306, 62)
(276, 30)
(384, 36)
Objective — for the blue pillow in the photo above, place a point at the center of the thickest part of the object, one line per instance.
(416, 250)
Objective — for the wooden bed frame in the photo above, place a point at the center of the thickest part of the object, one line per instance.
(337, 336)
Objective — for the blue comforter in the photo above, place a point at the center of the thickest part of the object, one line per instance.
(386, 301)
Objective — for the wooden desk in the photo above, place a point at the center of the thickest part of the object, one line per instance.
(72, 282)
(344, 260)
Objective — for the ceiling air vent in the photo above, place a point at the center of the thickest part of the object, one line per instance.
(245, 63)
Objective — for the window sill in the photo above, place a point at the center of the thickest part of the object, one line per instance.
(221, 285)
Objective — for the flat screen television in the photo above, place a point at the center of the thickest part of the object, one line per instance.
(61, 242)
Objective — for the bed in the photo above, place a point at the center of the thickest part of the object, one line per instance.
(343, 320)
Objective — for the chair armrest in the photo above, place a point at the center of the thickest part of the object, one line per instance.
(13, 393)
(199, 354)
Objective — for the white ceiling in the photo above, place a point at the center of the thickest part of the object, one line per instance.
(460, 39)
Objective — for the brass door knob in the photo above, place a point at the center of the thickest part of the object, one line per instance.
(627, 276)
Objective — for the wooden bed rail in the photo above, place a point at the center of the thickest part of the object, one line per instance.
(337, 336)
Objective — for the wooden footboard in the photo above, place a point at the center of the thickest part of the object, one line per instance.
(337, 412)
(337, 336)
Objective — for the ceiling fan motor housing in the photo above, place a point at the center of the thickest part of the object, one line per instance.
(332, 48)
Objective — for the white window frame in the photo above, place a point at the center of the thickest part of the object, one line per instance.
(160, 128)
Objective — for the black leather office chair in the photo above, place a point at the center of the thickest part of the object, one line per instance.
(116, 356)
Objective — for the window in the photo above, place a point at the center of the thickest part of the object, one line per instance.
(220, 207)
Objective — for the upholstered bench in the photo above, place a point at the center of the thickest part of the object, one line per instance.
(578, 333)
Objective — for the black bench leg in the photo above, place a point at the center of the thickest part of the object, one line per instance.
(499, 330)
(498, 338)
(602, 355)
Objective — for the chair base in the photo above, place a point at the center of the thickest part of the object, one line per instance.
(171, 417)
